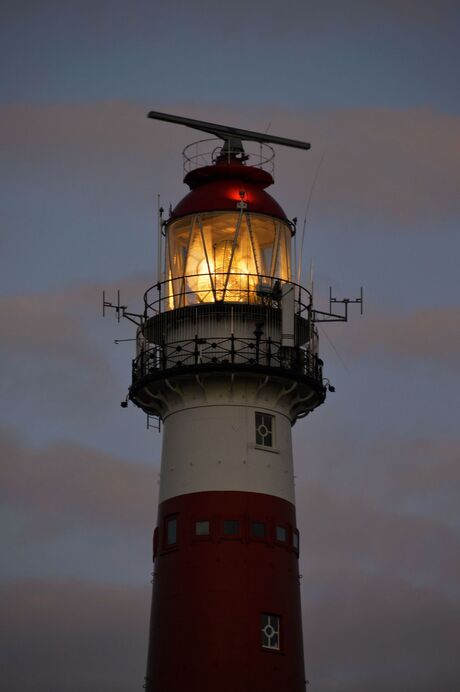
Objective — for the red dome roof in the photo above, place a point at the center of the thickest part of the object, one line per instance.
(219, 188)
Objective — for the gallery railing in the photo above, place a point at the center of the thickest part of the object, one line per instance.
(252, 289)
(226, 351)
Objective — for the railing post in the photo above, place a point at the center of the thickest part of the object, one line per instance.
(232, 348)
(197, 353)
(258, 334)
(269, 350)
(163, 358)
(159, 296)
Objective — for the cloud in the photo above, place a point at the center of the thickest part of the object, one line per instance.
(380, 589)
(398, 169)
(348, 532)
(67, 481)
(426, 334)
(64, 636)
(385, 167)
(378, 632)
(56, 349)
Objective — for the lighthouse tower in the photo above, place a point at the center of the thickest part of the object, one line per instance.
(227, 360)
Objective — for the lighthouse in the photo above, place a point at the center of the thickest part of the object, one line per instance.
(227, 360)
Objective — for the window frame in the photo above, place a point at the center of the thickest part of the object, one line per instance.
(205, 536)
(296, 548)
(259, 539)
(258, 445)
(233, 536)
(269, 649)
(282, 525)
(155, 543)
(166, 546)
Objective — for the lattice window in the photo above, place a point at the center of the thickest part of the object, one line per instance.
(270, 631)
(265, 424)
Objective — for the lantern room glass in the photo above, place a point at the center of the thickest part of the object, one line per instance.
(225, 256)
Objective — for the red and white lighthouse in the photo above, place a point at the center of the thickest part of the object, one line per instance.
(227, 359)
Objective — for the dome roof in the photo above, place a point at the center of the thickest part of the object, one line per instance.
(221, 186)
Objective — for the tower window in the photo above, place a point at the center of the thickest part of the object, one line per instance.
(270, 631)
(202, 528)
(295, 540)
(171, 531)
(281, 534)
(258, 529)
(231, 527)
(265, 424)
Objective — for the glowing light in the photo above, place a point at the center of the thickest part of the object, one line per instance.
(224, 275)
(225, 256)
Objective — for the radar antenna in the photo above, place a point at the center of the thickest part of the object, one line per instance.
(232, 136)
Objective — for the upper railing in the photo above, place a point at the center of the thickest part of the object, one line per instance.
(223, 287)
(206, 152)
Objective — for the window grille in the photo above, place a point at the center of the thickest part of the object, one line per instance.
(270, 631)
(265, 424)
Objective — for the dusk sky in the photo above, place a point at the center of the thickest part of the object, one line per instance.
(374, 86)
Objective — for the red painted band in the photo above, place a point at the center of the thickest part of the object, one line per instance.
(210, 593)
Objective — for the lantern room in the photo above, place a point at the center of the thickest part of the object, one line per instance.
(228, 240)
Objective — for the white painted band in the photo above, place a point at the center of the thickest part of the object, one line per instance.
(214, 448)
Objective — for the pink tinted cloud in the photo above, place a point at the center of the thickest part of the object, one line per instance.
(64, 636)
(395, 167)
(67, 480)
(429, 334)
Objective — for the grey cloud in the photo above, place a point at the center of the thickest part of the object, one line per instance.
(384, 166)
(427, 334)
(67, 481)
(379, 632)
(67, 636)
(394, 168)
(55, 348)
(349, 531)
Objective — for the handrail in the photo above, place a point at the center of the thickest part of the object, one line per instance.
(255, 295)
(227, 350)
(203, 153)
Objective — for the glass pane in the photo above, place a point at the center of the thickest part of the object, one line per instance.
(231, 527)
(225, 256)
(258, 529)
(202, 528)
(295, 540)
(281, 534)
(171, 531)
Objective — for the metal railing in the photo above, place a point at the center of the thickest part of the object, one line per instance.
(206, 152)
(227, 350)
(252, 289)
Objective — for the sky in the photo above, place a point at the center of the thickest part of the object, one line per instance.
(374, 87)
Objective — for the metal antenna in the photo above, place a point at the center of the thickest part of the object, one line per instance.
(231, 135)
(312, 189)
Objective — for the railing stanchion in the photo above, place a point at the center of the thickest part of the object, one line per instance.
(197, 353)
